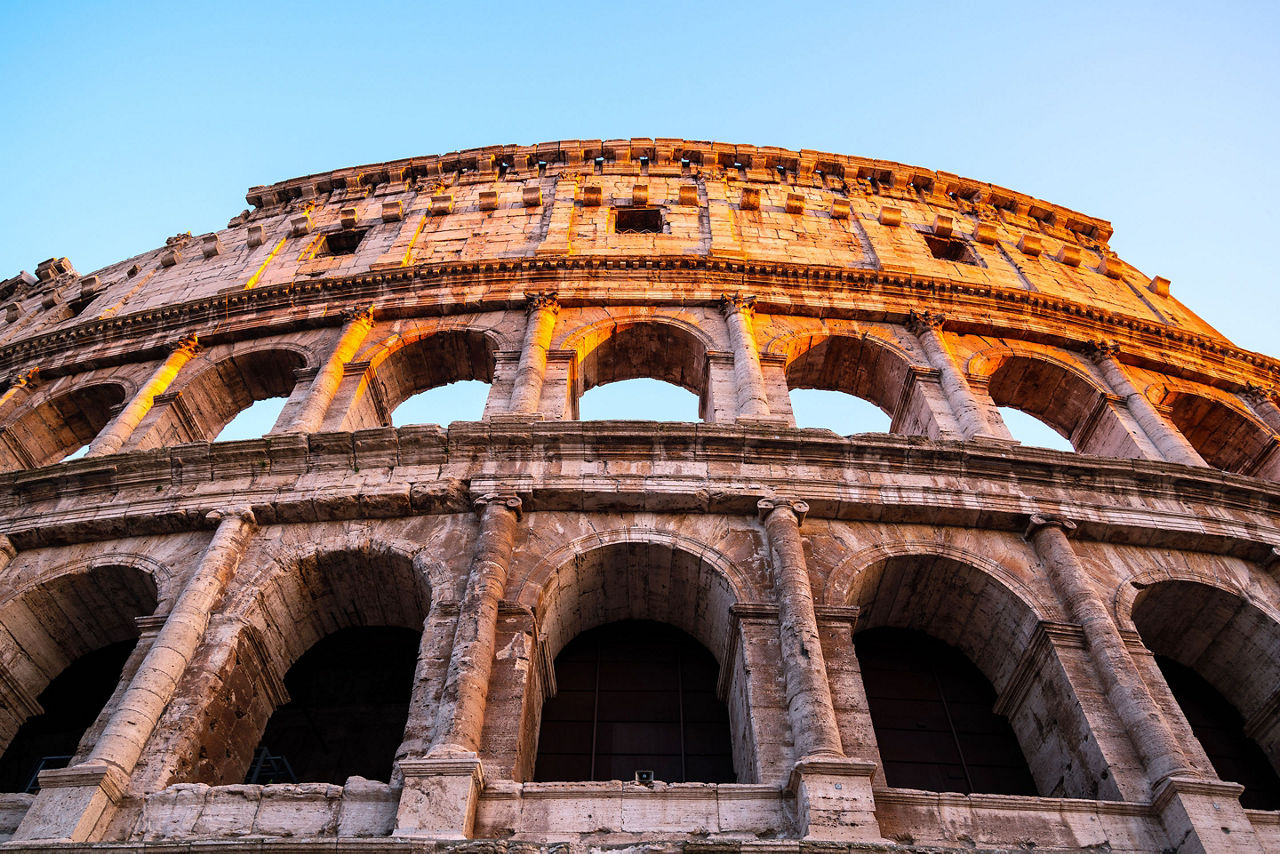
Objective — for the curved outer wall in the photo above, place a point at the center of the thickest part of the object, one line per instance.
(754, 271)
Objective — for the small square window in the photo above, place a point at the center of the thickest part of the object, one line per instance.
(343, 242)
(949, 249)
(638, 220)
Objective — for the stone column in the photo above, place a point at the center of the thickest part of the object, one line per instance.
(72, 801)
(1120, 676)
(1169, 441)
(440, 791)
(526, 395)
(325, 385)
(969, 412)
(1262, 400)
(753, 399)
(115, 434)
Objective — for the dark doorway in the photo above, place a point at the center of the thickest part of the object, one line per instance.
(1220, 729)
(932, 714)
(635, 696)
(71, 703)
(346, 716)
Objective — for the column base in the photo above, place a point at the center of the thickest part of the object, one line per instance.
(834, 801)
(439, 797)
(72, 802)
(1204, 817)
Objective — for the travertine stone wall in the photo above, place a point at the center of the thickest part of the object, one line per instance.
(937, 298)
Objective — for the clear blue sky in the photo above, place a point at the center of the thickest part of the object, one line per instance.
(127, 123)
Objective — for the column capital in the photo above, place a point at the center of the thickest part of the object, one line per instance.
(244, 514)
(1256, 394)
(1038, 522)
(508, 499)
(918, 321)
(765, 507)
(22, 379)
(190, 345)
(1271, 561)
(358, 315)
(738, 302)
(1100, 351)
(537, 300)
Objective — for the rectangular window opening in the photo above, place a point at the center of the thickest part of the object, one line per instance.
(639, 220)
(343, 242)
(949, 249)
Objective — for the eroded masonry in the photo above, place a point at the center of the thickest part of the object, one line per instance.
(731, 635)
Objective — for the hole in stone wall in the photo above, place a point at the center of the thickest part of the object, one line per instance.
(837, 411)
(638, 400)
(71, 703)
(638, 220)
(1029, 430)
(460, 401)
(932, 713)
(635, 696)
(254, 421)
(950, 249)
(349, 702)
(343, 242)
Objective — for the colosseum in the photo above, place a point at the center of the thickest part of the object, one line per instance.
(350, 636)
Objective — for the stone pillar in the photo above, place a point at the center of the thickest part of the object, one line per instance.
(1169, 441)
(969, 412)
(1262, 401)
(833, 794)
(115, 434)
(325, 385)
(526, 396)
(73, 801)
(753, 399)
(441, 791)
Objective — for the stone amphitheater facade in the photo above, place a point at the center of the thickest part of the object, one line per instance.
(738, 273)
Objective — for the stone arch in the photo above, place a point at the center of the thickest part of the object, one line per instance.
(58, 425)
(980, 608)
(657, 347)
(219, 390)
(639, 574)
(1226, 639)
(867, 366)
(417, 361)
(308, 594)
(1226, 434)
(47, 625)
(1057, 392)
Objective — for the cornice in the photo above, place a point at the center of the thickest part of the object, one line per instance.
(781, 288)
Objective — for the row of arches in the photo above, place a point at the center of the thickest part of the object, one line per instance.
(330, 667)
(1073, 407)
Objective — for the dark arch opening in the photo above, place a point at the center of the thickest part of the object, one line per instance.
(348, 709)
(1220, 730)
(71, 703)
(643, 350)
(431, 362)
(635, 696)
(932, 711)
(1223, 437)
(857, 366)
(59, 426)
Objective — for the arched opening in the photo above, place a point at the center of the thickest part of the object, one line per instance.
(1220, 656)
(63, 645)
(1029, 430)
(58, 427)
(638, 400)
(1047, 405)
(976, 615)
(331, 629)
(637, 590)
(631, 697)
(71, 703)
(1225, 438)
(349, 700)
(933, 716)
(216, 395)
(253, 422)
(459, 401)
(861, 368)
(427, 364)
(1220, 730)
(643, 350)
